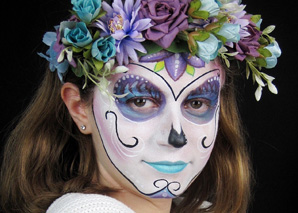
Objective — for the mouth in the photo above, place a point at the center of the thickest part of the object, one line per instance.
(168, 167)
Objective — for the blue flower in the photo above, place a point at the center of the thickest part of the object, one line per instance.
(275, 51)
(76, 33)
(208, 49)
(103, 49)
(230, 32)
(210, 6)
(51, 57)
(87, 10)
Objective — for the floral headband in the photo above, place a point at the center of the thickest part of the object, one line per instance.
(192, 32)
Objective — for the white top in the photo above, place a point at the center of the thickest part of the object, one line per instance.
(87, 203)
(91, 203)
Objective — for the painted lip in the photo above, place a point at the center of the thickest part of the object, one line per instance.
(168, 167)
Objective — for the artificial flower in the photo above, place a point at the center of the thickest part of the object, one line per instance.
(180, 35)
(86, 10)
(208, 49)
(275, 51)
(103, 49)
(75, 33)
(230, 32)
(211, 6)
(51, 57)
(249, 45)
(168, 19)
(123, 23)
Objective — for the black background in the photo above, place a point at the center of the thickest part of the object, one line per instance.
(271, 122)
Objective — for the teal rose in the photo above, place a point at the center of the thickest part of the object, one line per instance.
(75, 33)
(210, 6)
(208, 49)
(230, 32)
(103, 49)
(275, 51)
(87, 10)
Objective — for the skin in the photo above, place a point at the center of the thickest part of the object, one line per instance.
(172, 116)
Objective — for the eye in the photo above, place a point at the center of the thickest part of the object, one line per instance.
(143, 104)
(139, 102)
(197, 107)
(196, 104)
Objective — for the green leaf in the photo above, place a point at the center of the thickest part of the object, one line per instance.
(87, 54)
(269, 29)
(201, 35)
(159, 66)
(262, 40)
(261, 62)
(264, 52)
(88, 47)
(221, 38)
(190, 70)
(195, 4)
(151, 48)
(101, 13)
(78, 71)
(247, 71)
(178, 47)
(255, 18)
(76, 49)
(98, 66)
(200, 14)
(96, 35)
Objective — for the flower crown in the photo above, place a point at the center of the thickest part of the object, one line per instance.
(192, 32)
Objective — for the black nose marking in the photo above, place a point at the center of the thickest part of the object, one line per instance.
(177, 140)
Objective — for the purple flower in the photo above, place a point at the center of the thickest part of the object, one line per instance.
(168, 19)
(123, 23)
(249, 44)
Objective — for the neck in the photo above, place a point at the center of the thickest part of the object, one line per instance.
(142, 204)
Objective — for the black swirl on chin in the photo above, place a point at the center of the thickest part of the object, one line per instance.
(116, 126)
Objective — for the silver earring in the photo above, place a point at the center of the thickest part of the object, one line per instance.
(83, 127)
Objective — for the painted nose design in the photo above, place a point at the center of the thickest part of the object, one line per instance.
(175, 139)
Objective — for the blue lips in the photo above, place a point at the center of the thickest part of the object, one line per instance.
(168, 167)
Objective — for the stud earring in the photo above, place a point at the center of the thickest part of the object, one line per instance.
(83, 127)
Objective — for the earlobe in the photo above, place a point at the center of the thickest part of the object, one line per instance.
(78, 109)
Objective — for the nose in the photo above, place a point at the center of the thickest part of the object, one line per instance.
(176, 139)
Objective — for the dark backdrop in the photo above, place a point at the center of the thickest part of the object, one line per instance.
(271, 122)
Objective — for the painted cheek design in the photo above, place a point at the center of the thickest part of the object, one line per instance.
(142, 101)
(199, 106)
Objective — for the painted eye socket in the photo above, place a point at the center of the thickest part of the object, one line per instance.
(199, 106)
(143, 100)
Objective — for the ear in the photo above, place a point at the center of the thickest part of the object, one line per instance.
(78, 110)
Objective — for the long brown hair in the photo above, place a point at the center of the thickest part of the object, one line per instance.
(46, 156)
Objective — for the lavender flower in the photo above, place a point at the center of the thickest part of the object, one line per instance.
(123, 23)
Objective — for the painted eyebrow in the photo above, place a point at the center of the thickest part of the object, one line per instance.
(167, 83)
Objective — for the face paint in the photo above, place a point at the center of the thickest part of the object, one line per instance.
(143, 100)
(160, 135)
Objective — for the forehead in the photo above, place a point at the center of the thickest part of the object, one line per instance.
(162, 79)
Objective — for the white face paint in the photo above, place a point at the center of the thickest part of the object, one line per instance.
(161, 134)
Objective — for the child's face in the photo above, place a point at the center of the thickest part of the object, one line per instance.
(159, 136)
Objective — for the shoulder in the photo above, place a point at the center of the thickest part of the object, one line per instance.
(83, 203)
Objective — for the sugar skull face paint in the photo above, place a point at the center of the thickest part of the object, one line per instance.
(159, 136)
